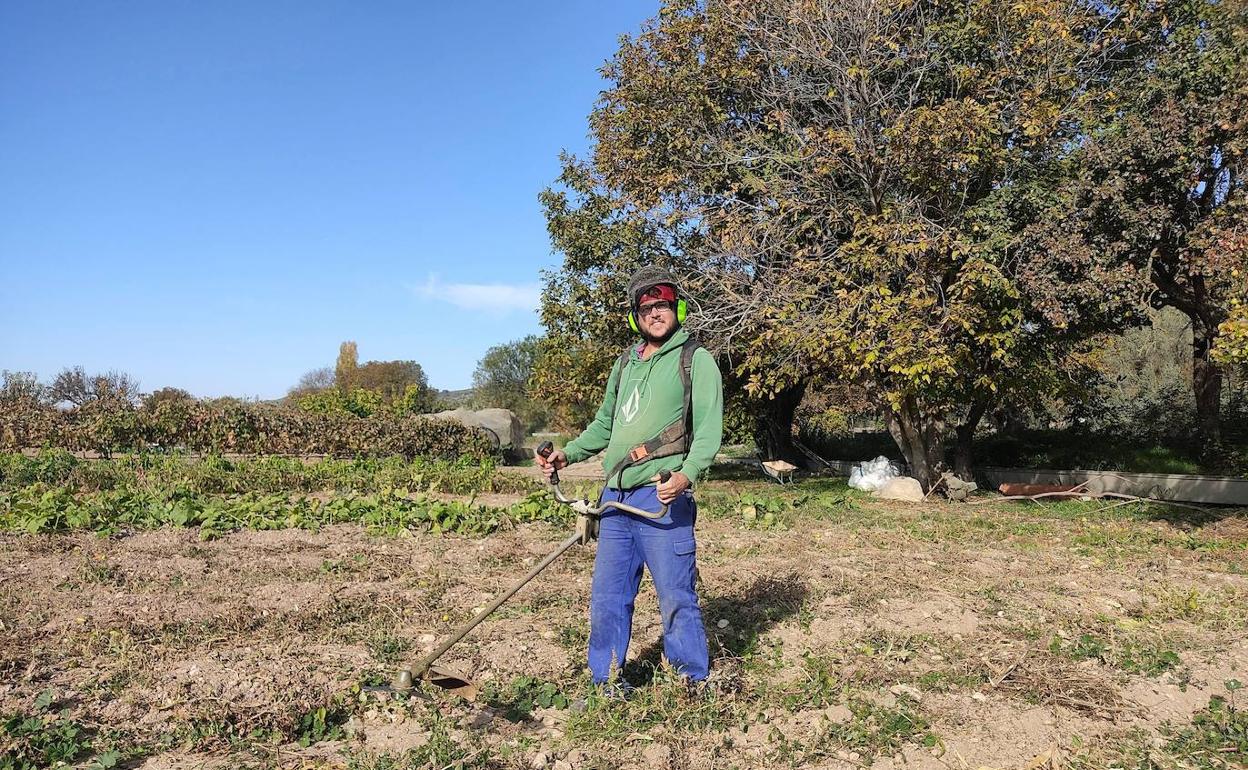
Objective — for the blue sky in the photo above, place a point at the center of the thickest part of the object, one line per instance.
(213, 195)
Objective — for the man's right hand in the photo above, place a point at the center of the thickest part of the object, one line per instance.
(554, 462)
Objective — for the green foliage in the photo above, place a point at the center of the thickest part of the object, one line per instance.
(1152, 202)
(324, 723)
(761, 511)
(1138, 656)
(502, 379)
(358, 402)
(41, 507)
(43, 738)
(874, 730)
(1217, 736)
(523, 694)
(841, 180)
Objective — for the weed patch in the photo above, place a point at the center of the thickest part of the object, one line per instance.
(523, 694)
(45, 737)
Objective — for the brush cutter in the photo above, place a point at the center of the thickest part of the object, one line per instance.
(587, 516)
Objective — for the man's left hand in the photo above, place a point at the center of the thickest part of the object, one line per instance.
(668, 490)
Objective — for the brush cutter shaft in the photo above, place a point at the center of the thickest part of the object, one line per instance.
(422, 665)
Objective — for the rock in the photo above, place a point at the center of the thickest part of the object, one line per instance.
(723, 623)
(838, 714)
(657, 755)
(539, 760)
(500, 424)
(901, 488)
(562, 765)
(576, 758)
(906, 690)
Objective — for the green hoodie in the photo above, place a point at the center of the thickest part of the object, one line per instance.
(651, 399)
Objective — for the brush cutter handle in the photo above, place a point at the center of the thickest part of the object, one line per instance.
(601, 509)
(544, 449)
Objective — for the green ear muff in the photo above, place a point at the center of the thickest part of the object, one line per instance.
(682, 310)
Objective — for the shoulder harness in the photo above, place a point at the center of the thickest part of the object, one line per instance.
(678, 435)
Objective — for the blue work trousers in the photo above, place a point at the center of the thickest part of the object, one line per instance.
(666, 547)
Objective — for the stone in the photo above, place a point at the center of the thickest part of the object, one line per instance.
(657, 755)
(501, 425)
(539, 760)
(901, 488)
(838, 714)
(906, 690)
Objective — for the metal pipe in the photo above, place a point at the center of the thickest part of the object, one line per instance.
(421, 666)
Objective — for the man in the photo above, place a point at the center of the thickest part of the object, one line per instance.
(663, 410)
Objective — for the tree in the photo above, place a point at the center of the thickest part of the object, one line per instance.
(583, 307)
(345, 369)
(846, 176)
(1156, 200)
(23, 387)
(166, 394)
(391, 379)
(502, 378)
(313, 381)
(75, 386)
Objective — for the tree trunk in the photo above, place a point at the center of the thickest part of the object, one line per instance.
(773, 426)
(963, 455)
(921, 439)
(1206, 383)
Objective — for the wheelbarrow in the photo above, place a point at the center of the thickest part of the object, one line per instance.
(587, 516)
(778, 470)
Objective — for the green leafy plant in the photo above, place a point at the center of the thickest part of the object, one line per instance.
(525, 693)
(42, 737)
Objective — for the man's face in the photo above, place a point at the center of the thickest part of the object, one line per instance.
(656, 318)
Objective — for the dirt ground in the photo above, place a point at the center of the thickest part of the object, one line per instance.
(851, 633)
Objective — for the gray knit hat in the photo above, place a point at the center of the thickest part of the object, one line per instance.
(646, 278)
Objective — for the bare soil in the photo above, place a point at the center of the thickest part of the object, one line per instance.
(986, 621)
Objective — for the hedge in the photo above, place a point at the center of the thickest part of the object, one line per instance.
(227, 425)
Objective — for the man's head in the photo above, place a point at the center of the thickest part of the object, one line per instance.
(655, 306)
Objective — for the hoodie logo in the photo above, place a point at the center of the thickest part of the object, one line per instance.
(631, 406)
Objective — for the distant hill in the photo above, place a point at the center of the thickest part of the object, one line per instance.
(455, 398)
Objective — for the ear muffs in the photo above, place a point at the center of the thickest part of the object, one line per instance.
(682, 310)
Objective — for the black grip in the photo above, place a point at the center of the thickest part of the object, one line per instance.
(664, 476)
(544, 449)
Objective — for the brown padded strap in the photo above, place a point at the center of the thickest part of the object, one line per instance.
(670, 441)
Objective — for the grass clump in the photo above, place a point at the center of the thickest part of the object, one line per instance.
(1135, 655)
(873, 730)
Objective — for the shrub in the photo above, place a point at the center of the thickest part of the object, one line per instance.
(229, 425)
